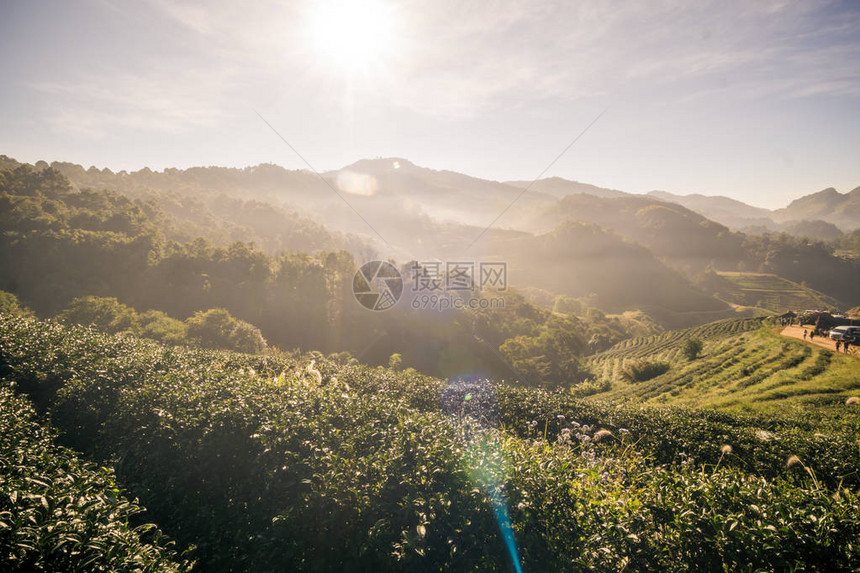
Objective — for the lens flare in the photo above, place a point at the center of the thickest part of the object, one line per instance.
(472, 407)
(357, 183)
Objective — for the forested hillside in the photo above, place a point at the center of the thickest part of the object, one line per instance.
(197, 203)
(60, 243)
(692, 244)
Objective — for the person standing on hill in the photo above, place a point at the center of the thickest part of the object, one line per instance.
(838, 342)
(845, 345)
(804, 334)
(811, 334)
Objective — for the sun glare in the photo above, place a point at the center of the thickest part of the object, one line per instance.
(352, 36)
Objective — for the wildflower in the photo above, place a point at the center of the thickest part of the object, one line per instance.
(565, 431)
(793, 461)
(624, 430)
(560, 417)
(764, 435)
(727, 449)
(602, 434)
(852, 400)
(521, 505)
(314, 372)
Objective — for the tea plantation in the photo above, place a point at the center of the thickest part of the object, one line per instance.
(58, 513)
(743, 365)
(311, 464)
(772, 292)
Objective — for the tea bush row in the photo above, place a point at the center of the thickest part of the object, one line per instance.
(283, 464)
(58, 513)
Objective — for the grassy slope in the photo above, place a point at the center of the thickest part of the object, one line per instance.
(740, 366)
(772, 292)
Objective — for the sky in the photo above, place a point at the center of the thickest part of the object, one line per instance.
(759, 101)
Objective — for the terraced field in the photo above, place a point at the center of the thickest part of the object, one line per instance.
(743, 365)
(772, 292)
(669, 343)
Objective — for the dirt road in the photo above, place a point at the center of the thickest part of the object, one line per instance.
(823, 341)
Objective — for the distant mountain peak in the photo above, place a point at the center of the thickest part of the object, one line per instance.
(829, 196)
(379, 165)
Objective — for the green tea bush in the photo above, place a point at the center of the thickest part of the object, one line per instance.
(299, 463)
(692, 348)
(58, 513)
(643, 370)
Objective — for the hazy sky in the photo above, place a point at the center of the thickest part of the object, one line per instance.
(758, 100)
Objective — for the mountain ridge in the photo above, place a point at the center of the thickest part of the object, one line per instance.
(266, 179)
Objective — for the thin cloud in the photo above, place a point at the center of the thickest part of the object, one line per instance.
(95, 107)
(462, 61)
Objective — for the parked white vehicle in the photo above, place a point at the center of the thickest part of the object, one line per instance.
(851, 333)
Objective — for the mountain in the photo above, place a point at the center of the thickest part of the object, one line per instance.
(730, 212)
(685, 239)
(385, 188)
(816, 229)
(219, 204)
(442, 195)
(828, 206)
(586, 261)
(841, 209)
(558, 187)
(392, 208)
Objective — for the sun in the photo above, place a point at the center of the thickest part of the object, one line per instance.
(352, 36)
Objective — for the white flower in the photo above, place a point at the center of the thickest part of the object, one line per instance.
(314, 372)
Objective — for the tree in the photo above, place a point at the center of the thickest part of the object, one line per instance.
(551, 359)
(104, 313)
(158, 326)
(11, 306)
(692, 348)
(567, 305)
(247, 338)
(216, 328)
